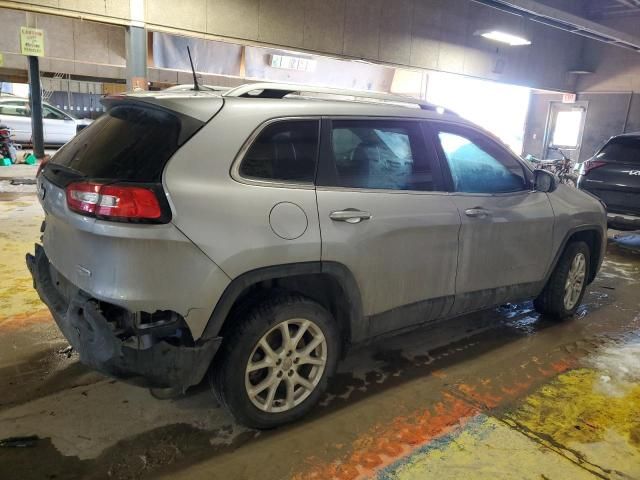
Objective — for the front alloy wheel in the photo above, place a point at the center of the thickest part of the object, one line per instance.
(565, 288)
(575, 281)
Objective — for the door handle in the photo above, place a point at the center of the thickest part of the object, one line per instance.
(477, 212)
(349, 215)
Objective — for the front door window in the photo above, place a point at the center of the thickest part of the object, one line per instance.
(479, 165)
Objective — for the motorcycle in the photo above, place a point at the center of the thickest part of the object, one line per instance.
(7, 147)
(563, 167)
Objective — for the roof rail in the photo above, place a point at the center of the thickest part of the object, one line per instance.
(281, 90)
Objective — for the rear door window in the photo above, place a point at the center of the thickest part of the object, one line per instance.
(621, 149)
(378, 154)
(14, 108)
(128, 143)
(284, 151)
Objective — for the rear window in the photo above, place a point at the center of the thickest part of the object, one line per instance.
(284, 151)
(128, 143)
(621, 149)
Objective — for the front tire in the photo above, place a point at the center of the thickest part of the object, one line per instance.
(276, 362)
(565, 289)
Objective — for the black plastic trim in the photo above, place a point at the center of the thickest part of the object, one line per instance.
(83, 324)
(338, 271)
(563, 245)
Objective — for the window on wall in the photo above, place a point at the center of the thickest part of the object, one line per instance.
(566, 131)
(379, 154)
(479, 165)
(283, 151)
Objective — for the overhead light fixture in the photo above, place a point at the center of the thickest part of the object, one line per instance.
(504, 37)
(581, 71)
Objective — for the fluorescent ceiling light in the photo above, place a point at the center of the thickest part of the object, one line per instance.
(504, 37)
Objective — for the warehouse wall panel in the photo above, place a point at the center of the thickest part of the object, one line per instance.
(362, 29)
(324, 25)
(395, 37)
(615, 69)
(233, 19)
(185, 14)
(281, 22)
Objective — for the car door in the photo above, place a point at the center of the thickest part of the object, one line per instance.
(384, 215)
(15, 114)
(507, 228)
(59, 128)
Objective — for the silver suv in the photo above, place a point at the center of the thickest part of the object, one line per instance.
(259, 232)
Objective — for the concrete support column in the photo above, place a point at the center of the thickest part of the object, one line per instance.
(35, 99)
(136, 48)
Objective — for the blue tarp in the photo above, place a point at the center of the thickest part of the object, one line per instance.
(628, 240)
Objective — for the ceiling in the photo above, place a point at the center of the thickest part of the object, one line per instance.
(608, 8)
(580, 23)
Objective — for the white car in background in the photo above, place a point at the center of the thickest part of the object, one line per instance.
(59, 127)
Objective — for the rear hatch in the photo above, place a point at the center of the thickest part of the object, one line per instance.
(132, 142)
(613, 175)
(104, 201)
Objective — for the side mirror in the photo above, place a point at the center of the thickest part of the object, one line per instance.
(544, 181)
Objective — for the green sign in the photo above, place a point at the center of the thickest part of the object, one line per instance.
(32, 41)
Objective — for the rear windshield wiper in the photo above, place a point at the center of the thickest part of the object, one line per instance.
(61, 175)
(56, 167)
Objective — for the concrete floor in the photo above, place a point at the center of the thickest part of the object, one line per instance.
(501, 394)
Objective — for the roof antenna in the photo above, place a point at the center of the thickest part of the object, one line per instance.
(196, 87)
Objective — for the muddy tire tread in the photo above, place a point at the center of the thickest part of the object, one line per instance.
(257, 318)
(551, 301)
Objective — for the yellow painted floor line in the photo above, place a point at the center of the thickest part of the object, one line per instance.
(488, 449)
(22, 221)
(590, 416)
(583, 424)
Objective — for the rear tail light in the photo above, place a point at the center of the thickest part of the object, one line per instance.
(115, 202)
(591, 165)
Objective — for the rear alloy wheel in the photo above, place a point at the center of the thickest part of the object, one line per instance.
(286, 365)
(275, 363)
(566, 286)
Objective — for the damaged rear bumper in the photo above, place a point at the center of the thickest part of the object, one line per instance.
(155, 363)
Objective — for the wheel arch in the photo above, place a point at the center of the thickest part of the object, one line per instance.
(594, 237)
(331, 284)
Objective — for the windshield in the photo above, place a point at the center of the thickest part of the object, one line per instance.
(129, 142)
(621, 149)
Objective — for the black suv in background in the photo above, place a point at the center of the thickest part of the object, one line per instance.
(613, 175)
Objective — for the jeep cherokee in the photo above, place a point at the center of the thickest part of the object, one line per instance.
(258, 233)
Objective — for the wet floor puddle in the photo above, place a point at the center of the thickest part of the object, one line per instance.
(583, 423)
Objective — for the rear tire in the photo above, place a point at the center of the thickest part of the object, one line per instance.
(565, 289)
(275, 364)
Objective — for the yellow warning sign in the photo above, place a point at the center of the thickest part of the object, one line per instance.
(32, 41)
